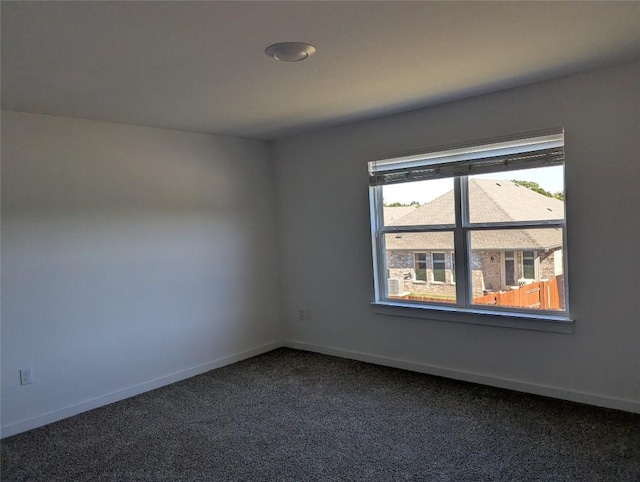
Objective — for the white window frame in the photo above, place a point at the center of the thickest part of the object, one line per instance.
(452, 158)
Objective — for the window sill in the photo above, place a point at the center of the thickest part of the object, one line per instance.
(505, 319)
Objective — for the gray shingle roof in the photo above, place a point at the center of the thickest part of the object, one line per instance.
(392, 214)
(490, 201)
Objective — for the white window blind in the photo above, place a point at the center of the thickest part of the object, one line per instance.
(538, 151)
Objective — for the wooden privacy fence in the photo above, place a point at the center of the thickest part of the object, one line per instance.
(544, 295)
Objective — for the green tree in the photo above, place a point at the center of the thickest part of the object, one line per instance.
(399, 204)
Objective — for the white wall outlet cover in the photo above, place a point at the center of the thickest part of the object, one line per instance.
(26, 376)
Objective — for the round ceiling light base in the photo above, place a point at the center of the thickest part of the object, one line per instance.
(290, 51)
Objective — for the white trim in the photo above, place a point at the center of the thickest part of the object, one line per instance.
(485, 315)
(627, 405)
(60, 414)
(376, 212)
(510, 384)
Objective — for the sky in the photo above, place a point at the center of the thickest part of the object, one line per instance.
(549, 178)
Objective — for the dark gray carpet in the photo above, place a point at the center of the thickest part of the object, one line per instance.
(293, 415)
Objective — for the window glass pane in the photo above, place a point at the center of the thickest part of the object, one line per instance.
(521, 195)
(419, 267)
(419, 203)
(505, 274)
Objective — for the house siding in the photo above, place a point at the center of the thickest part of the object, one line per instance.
(548, 265)
(491, 262)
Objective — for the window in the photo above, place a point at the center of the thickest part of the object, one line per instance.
(509, 268)
(421, 266)
(528, 265)
(482, 226)
(438, 267)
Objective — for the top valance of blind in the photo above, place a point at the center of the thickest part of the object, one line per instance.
(526, 153)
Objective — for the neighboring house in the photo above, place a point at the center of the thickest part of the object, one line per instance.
(392, 214)
(500, 259)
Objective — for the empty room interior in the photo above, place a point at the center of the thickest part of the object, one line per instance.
(320, 241)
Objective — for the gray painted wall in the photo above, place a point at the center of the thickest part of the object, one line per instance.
(131, 257)
(325, 248)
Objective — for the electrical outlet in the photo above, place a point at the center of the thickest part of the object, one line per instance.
(301, 315)
(26, 376)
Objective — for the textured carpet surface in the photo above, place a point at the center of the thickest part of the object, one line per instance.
(297, 416)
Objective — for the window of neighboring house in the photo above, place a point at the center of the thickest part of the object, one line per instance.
(438, 267)
(420, 266)
(476, 202)
(528, 265)
(509, 268)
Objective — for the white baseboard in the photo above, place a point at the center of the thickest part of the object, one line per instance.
(547, 391)
(56, 415)
(554, 392)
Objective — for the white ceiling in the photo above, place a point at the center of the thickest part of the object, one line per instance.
(200, 66)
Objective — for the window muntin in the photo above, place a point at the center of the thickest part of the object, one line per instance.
(519, 259)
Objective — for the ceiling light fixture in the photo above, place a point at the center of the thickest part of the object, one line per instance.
(290, 51)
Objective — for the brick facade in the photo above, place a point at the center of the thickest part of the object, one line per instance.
(401, 265)
(487, 271)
